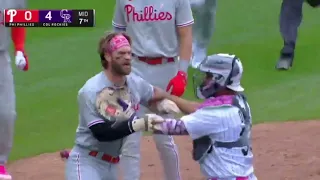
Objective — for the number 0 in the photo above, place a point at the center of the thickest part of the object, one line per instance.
(48, 16)
(28, 15)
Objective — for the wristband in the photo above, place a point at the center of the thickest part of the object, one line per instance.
(183, 65)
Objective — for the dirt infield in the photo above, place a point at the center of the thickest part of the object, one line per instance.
(283, 151)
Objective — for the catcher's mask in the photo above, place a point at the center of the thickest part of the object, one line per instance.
(215, 73)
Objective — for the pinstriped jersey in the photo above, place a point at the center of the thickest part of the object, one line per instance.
(152, 24)
(5, 36)
(222, 124)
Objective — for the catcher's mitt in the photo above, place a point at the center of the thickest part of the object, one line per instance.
(115, 104)
(313, 3)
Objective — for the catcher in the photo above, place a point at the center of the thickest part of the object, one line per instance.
(107, 104)
(220, 126)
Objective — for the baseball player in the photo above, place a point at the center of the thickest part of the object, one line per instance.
(162, 47)
(204, 13)
(221, 125)
(7, 93)
(290, 20)
(107, 105)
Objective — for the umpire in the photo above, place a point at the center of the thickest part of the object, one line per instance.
(290, 20)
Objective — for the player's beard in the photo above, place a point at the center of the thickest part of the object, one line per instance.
(120, 69)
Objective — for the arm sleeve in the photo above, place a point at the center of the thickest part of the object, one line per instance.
(118, 20)
(184, 13)
(18, 34)
(145, 90)
(204, 122)
(104, 132)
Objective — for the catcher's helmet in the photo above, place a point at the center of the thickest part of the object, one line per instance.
(218, 71)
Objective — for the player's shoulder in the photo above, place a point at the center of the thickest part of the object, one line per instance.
(217, 111)
(212, 113)
(136, 81)
(133, 77)
(94, 84)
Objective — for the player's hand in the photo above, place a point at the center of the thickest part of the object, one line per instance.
(178, 84)
(146, 123)
(167, 106)
(21, 61)
(169, 127)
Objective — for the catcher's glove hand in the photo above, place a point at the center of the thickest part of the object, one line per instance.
(115, 104)
(313, 3)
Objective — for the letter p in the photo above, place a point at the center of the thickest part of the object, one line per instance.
(12, 13)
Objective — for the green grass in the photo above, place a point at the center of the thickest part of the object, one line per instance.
(63, 59)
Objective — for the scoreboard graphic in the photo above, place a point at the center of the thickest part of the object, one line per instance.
(49, 18)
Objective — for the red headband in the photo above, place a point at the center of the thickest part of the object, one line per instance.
(117, 42)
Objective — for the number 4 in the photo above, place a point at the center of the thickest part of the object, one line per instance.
(48, 16)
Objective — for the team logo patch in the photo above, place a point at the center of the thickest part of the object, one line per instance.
(111, 110)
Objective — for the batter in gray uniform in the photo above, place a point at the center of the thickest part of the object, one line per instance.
(7, 93)
(98, 143)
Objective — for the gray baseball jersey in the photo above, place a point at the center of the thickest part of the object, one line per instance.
(4, 31)
(152, 24)
(141, 92)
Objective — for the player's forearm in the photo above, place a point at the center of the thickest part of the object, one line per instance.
(158, 95)
(185, 46)
(171, 127)
(18, 36)
(104, 132)
(186, 106)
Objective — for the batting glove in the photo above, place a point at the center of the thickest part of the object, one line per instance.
(146, 123)
(168, 106)
(178, 84)
(21, 61)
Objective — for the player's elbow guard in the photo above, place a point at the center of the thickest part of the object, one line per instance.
(103, 132)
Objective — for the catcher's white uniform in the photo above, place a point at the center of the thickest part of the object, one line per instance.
(221, 123)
